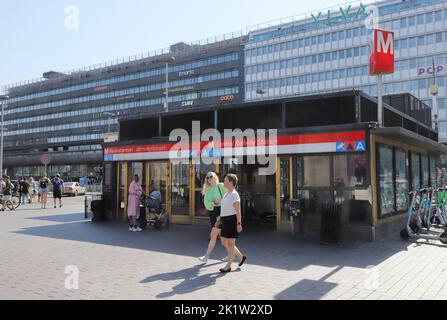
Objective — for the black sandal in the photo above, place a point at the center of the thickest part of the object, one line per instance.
(243, 261)
(225, 271)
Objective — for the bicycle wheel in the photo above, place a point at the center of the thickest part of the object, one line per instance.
(15, 202)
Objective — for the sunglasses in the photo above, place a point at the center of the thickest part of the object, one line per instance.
(208, 178)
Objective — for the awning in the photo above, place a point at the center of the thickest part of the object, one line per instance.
(409, 137)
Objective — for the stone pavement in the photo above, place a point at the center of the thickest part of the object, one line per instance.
(36, 246)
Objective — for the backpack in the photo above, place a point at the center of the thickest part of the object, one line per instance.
(43, 184)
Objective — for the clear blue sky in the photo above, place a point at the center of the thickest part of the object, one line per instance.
(36, 40)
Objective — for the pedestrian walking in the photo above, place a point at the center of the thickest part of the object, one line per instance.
(24, 191)
(213, 191)
(231, 220)
(32, 190)
(7, 191)
(44, 182)
(133, 204)
(58, 186)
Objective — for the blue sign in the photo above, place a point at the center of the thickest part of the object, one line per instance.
(360, 146)
(108, 157)
(341, 147)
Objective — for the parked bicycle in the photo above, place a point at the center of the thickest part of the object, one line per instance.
(9, 202)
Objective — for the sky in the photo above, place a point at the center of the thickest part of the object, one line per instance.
(44, 35)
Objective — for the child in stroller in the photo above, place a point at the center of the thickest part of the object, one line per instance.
(156, 216)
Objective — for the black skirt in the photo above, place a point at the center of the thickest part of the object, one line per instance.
(229, 227)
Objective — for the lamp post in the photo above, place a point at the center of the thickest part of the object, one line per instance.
(167, 61)
(434, 92)
(3, 98)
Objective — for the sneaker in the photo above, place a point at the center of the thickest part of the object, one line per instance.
(138, 230)
(130, 229)
(203, 259)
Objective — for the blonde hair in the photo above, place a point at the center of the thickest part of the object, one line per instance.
(215, 180)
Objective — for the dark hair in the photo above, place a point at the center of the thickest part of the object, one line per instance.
(232, 178)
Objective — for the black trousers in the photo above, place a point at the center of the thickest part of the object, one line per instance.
(213, 216)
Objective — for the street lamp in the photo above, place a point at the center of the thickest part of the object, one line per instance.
(167, 60)
(110, 114)
(3, 98)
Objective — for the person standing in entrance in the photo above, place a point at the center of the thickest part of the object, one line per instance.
(133, 204)
(43, 191)
(58, 186)
(24, 191)
(231, 218)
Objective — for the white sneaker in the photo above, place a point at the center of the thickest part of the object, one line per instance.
(203, 259)
(134, 229)
(130, 229)
(138, 230)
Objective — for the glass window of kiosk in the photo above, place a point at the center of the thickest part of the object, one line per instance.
(433, 172)
(386, 180)
(402, 181)
(416, 171)
(425, 171)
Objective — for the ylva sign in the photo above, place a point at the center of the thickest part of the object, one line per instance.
(429, 70)
(382, 52)
(347, 15)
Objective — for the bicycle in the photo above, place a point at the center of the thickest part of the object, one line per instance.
(6, 203)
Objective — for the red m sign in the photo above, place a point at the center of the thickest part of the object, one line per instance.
(382, 52)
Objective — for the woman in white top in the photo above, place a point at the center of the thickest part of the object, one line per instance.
(230, 220)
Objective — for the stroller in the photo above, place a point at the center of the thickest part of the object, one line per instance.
(155, 215)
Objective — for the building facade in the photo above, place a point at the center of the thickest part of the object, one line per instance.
(64, 118)
(330, 52)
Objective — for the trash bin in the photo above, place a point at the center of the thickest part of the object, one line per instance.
(97, 208)
(330, 223)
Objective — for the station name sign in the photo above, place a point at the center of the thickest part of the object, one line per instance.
(429, 70)
(346, 14)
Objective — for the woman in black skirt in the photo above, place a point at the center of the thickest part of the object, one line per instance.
(231, 220)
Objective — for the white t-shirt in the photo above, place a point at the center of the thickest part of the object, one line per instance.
(227, 208)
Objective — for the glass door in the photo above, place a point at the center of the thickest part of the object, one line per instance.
(200, 172)
(158, 181)
(122, 190)
(284, 191)
(181, 193)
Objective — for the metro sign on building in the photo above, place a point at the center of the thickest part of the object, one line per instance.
(382, 52)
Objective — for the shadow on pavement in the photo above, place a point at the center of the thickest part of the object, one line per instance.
(191, 280)
(68, 217)
(263, 247)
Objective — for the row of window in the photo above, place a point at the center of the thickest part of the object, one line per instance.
(124, 92)
(300, 43)
(403, 23)
(132, 105)
(308, 60)
(396, 179)
(68, 126)
(422, 40)
(133, 76)
(85, 137)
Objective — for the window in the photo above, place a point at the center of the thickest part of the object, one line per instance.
(420, 19)
(386, 183)
(439, 37)
(316, 171)
(416, 171)
(425, 172)
(412, 42)
(421, 41)
(404, 43)
(438, 15)
(429, 17)
(351, 170)
(334, 36)
(348, 33)
(341, 35)
(430, 39)
(411, 21)
(402, 183)
(403, 22)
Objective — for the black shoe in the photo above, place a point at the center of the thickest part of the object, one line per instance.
(243, 261)
(225, 271)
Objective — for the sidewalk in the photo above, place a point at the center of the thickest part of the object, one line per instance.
(36, 246)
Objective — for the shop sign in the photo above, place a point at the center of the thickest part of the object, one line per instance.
(187, 103)
(382, 52)
(351, 146)
(430, 70)
(186, 73)
(100, 89)
(111, 137)
(346, 15)
(226, 98)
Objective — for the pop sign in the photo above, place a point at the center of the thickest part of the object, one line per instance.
(382, 52)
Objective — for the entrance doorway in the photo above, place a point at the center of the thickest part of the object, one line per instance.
(258, 194)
